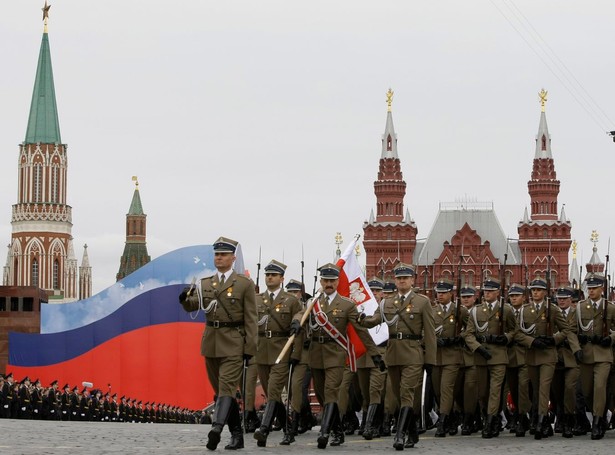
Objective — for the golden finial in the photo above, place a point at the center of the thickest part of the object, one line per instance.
(543, 99)
(134, 179)
(574, 249)
(45, 10)
(389, 99)
(357, 250)
(338, 241)
(594, 237)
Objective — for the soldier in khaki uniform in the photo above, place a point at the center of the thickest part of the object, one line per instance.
(491, 326)
(327, 355)
(516, 370)
(411, 324)
(564, 385)
(449, 356)
(278, 310)
(228, 299)
(596, 339)
(544, 327)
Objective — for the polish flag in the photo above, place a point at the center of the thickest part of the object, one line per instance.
(353, 285)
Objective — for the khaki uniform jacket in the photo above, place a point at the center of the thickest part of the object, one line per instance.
(274, 320)
(593, 353)
(446, 328)
(415, 318)
(490, 323)
(236, 301)
(566, 350)
(341, 312)
(559, 331)
(516, 351)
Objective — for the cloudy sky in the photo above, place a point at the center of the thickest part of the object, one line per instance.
(262, 120)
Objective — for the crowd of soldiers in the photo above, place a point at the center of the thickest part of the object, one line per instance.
(28, 399)
(470, 360)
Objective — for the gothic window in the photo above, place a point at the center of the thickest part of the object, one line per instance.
(56, 269)
(38, 176)
(389, 236)
(54, 185)
(34, 280)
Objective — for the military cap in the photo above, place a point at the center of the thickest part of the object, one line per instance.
(66, 386)
(467, 290)
(9, 375)
(376, 283)
(402, 269)
(329, 271)
(594, 280)
(564, 292)
(491, 284)
(85, 389)
(75, 389)
(538, 283)
(389, 286)
(114, 395)
(293, 285)
(275, 267)
(516, 289)
(224, 245)
(444, 285)
(37, 381)
(25, 379)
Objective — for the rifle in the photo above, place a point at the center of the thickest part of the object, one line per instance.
(258, 270)
(306, 315)
(458, 306)
(605, 328)
(548, 298)
(482, 278)
(503, 294)
(315, 279)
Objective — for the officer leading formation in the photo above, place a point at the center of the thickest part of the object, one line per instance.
(501, 357)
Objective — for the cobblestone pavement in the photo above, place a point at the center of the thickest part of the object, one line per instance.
(31, 437)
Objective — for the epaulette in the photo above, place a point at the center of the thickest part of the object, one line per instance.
(242, 276)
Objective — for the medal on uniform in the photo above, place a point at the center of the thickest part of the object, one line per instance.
(277, 308)
(588, 306)
(484, 310)
(452, 319)
(532, 310)
(439, 313)
(411, 316)
(543, 317)
(497, 315)
(229, 292)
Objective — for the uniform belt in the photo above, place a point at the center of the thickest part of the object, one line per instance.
(322, 339)
(404, 336)
(271, 333)
(217, 324)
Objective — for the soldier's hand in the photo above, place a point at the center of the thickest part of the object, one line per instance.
(549, 341)
(379, 362)
(500, 339)
(440, 342)
(184, 294)
(247, 357)
(538, 344)
(606, 342)
(583, 339)
(361, 317)
(484, 353)
(579, 356)
(295, 327)
(293, 362)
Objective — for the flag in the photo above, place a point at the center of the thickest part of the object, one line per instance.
(353, 285)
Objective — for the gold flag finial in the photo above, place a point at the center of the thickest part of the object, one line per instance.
(543, 99)
(594, 237)
(136, 180)
(45, 10)
(389, 99)
(574, 249)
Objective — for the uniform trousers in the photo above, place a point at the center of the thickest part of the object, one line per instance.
(296, 385)
(593, 383)
(273, 379)
(404, 380)
(564, 388)
(443, 379)
(541, 377)
(466, 393)
(327, 383)
(519, 385)
(224, 374)
(372, 383)
(490, 379)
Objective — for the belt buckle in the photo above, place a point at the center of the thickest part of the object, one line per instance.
(216, 324)
(399, 336)
(267, 333)
(321, 339)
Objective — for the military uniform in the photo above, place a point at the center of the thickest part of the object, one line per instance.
(276, 311)
(230, 336)
(7, 396)
(488, 335)
(596, 339)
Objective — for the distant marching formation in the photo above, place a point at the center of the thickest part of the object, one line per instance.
(529, 359)
(28, 399)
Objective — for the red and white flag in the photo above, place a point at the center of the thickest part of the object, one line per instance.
(354, 286)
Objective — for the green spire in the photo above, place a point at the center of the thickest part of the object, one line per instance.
(135, 206)
(43, 123)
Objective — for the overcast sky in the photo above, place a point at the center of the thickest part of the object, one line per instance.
(262, 120)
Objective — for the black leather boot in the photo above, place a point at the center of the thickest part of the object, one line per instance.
(262, 432)
(547, 429)
(221, 413)
(597, 428)
(468, 424)
(289, 436)
(538, 429)
(581, 424)
(442, 426)
(370, 430)
(328, 415)
(412, 431)
(234, 426)
(362, 426)
(402, 424)
(568, 421)
(487, 427)
(350, 423)
(337, 429)
(385, 429)
(453, 423)
(523, 424)
(512, 423)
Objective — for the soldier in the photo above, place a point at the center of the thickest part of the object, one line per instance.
(113, 408)
(329, 319)
(123, 411)
(73, 407)
(596, 339)
(488, 335)
(516, 371)
(85, 403)
(277, 320)
(466, 396)
(51, 409)
(449, 356)
(7, 396)
(539, 320)
(37, 400)
(566, 376)
(229, 301)
(65, 403)
(252, 421)
(391, 401)
(409, 317)
(25, 399)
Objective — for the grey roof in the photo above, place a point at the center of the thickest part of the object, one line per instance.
(575, 272)
(595, 259)
(543, 129)
(481, 217)
(389, 130)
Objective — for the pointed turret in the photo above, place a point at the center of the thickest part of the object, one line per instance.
(595, 265)
(85, 275)
(575, 273)
(389, 138)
